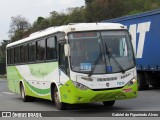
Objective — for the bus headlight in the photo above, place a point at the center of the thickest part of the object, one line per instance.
(80, 86)
(130, 83)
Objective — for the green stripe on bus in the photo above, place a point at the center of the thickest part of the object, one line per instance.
(37, 90)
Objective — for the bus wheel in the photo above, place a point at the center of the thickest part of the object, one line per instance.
(108, 103)
(24, 97)
(59, 105)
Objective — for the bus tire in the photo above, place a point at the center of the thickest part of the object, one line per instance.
(142, 82)
(59, 105)
(108, 103)
(24, 97)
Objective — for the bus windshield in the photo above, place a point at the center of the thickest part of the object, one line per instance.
(115, 47)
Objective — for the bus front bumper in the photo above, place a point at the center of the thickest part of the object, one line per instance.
(72, 95)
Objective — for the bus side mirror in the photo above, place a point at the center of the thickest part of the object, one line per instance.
(67, 50)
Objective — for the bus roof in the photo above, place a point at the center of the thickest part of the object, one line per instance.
(70, 28)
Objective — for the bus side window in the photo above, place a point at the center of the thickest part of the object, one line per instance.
(16, 55)
(32, 52)
(26, 53)
(12, 55)
(8, 56)
(22, 54)
(51, 49)
(40, 53)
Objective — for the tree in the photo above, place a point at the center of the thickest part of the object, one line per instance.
(40, 24)
(138, 6)
(40, 20)
(94, 11)
(100, 10)
(76, 15)
(57, 19)
(3, 51)
(18, 26)
(19, 34)
(87, 2)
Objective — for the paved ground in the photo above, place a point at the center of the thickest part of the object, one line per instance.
(148, 100)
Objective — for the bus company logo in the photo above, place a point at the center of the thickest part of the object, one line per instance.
(6, 114)
(21, 114)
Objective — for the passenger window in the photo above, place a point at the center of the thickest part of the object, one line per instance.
(51, 48)
(32, 52)
(16, 55)
(24, 53)
(12, 55)
(41, 50)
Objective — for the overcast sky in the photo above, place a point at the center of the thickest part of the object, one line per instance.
(30, 9)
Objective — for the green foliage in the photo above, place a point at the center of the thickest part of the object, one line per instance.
(18, 28)
(138, 6)
(3, 51)
(40, 24)
(57, 19)
(101, 10)
(17, 35)
(87, 2)
(76, 15)
(94, 11)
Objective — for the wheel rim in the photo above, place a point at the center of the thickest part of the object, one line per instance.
(56, 97)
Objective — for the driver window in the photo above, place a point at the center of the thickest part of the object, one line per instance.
(113, 46)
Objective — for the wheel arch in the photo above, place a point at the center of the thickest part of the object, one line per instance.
(52, 87)
(20, 84)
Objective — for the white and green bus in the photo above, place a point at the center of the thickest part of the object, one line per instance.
(72, 64)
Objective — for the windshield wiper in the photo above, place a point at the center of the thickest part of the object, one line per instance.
(95, 63)
(110, 55)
